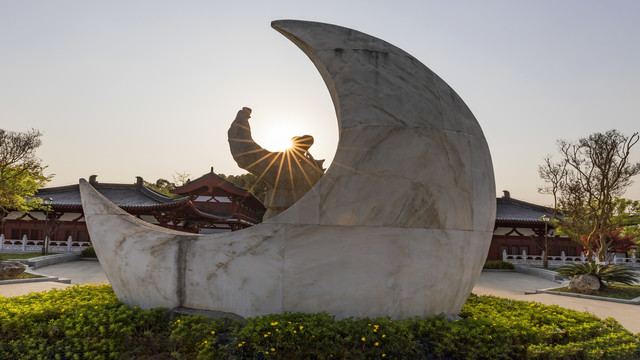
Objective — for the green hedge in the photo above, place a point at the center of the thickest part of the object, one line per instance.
(88, 322)
(89, 252)
(498, 264)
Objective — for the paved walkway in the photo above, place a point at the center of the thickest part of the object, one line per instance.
(80, 272)
(503, 284)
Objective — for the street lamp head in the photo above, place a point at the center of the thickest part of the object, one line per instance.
(545, 218)
(48, 201)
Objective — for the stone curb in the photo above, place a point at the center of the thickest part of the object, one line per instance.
(541, 273)
(635, 301)
(44, 278)
(498, 270)
(41, 261)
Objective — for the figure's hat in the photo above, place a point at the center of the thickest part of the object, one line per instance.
(304, 141)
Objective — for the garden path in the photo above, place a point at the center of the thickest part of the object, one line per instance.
(80, 272)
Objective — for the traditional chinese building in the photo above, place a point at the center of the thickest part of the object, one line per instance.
(213, 195)
(227, 208)
(520, 227)
(211, 204)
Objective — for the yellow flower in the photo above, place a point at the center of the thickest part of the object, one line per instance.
(363, 339)
(213, 333)
(266, 352)
(239, 345)
(384, 355)
(205, 342)
(266, 335)
(376, 344)
(383, 335)
(274, 323)
(301, 327)
(272, 349)
(177, 321)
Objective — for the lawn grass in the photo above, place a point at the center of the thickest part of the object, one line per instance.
(617, 291)
(26, 275)
(7, 256)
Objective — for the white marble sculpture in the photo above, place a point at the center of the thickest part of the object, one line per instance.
(399, 225)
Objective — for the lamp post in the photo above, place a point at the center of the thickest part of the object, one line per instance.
(45, 245)
(545, 262)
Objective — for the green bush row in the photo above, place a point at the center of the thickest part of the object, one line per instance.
(498, 264)
(89, 252)
(88, 322)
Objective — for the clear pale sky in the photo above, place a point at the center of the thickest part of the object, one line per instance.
(149, 88)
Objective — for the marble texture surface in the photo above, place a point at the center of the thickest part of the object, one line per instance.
(399, 226)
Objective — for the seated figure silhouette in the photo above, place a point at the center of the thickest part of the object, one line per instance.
(288, 174)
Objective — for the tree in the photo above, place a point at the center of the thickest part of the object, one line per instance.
(553, 174)
(597, 171)
(164, 186)
(179, 179)
(249, 182)
(21, 172)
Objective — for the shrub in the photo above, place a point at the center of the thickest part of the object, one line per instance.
(89, 252)
(498, 264)
(88, 322)
(616, 273)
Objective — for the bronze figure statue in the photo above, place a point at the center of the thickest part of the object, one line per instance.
(288, 174)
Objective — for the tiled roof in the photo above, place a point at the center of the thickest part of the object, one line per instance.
(126, 196)
(509, 210)
(214, 185)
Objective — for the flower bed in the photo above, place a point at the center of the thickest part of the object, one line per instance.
(88, 322)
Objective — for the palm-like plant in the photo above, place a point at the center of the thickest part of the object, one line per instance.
(610, 273)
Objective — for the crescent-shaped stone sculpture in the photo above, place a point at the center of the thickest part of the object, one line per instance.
(399, 226)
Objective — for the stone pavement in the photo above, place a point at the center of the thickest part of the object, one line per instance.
(80, 272)
(503, 284)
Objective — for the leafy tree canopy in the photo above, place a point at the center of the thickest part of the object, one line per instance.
(249, 182)
(164, 186)
(587, 184)
(21, 172)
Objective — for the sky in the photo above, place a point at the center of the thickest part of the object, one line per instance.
(149, 87)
